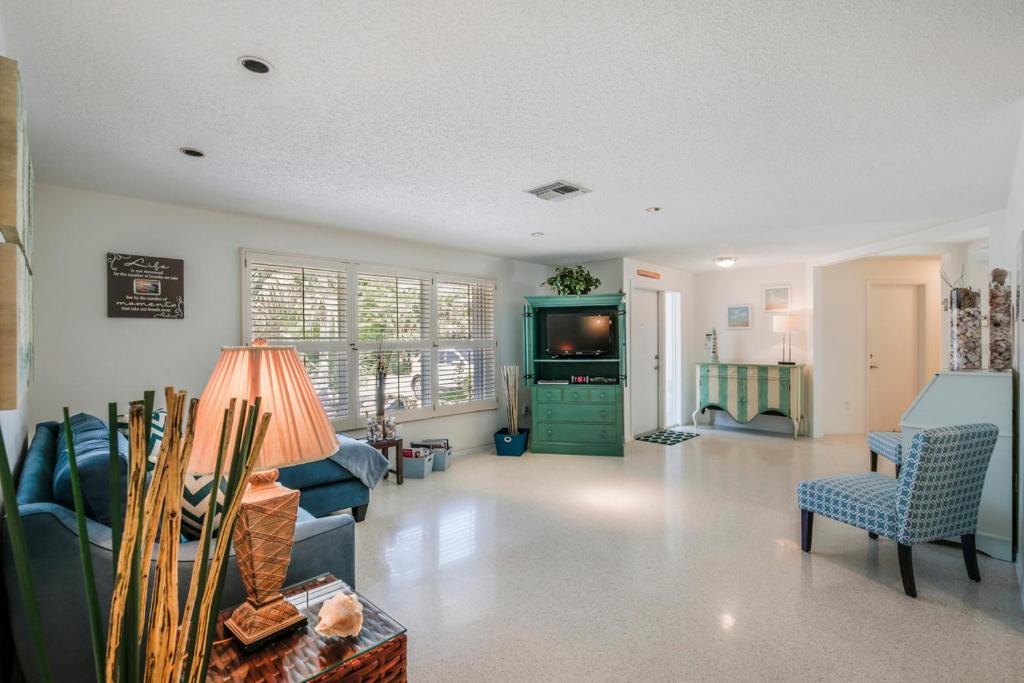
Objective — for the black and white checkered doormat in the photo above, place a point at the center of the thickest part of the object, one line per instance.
(667, 437)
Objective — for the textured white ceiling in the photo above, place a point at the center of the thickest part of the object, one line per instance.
(765, 129)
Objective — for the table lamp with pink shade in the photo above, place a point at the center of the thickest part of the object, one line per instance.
(299, 432)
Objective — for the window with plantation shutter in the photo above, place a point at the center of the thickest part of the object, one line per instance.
(466, 345)
(394, 323)
(306, 307)
(436, 333)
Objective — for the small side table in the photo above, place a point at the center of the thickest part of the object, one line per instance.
(384, 445)
(377, 654)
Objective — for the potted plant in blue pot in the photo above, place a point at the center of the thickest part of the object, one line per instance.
(511, 440)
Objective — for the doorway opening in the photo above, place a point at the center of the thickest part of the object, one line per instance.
(655, 359)
(895, 362)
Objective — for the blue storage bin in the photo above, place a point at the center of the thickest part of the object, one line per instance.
(442, 458)
(511, 444)
(418, 468)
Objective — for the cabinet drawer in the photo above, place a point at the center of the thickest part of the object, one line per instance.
(604, 395)
(549, 394)
(570, 412)
(579, 433)
(576, 394)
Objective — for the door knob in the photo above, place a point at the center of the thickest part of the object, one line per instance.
(873, 367)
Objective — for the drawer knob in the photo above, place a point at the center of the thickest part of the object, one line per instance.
(604, 413)
(550, 412)
(550, 432)
(575, 394)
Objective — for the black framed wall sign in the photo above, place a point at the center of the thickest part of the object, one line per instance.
(145, 287)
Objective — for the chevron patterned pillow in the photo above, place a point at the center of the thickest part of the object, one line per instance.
(195, 504)
(156, 434)
(195, 498)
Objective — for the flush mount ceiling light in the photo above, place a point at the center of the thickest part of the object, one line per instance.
(653, 209)
(725, 261)
(536, 234)
(192, 152)
(254, 64)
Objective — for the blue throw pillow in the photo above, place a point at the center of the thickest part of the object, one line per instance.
(92, 454)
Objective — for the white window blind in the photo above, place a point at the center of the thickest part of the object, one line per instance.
(308, 308)
(436, 331)
(466, 344)
(394, 321)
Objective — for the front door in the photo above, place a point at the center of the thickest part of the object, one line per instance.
(643, 356)
(894, 329)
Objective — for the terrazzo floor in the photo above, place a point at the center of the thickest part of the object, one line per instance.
(675, 563)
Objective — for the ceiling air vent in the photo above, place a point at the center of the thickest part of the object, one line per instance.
(558, 190)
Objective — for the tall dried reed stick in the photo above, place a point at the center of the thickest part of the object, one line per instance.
(242, 468)
(121, 605)
(189, 623)
(510, 378)
(84, 551)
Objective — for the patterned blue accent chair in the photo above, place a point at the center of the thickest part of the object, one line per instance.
(889, 445)
(936, 496)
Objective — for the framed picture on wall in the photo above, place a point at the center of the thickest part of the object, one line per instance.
(739, 317)
(775, 298)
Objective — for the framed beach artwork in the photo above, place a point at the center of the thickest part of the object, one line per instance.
(739, 317)
(775, 298)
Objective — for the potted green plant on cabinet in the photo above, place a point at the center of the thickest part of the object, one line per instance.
(569, 280)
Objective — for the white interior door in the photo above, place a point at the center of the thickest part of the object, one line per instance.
(643, 361)
(894, 348)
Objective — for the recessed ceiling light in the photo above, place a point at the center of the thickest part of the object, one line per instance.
(536, 234)
(653, 209)
(192, 152)
(725, 261)
(254, 64)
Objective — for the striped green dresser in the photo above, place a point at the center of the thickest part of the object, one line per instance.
(746, 390)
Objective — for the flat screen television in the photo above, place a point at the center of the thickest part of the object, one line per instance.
(579, 334)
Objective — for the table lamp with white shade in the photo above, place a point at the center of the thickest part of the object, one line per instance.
(786, 325)
(299, 432)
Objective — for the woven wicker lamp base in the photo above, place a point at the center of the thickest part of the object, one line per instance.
(263, 540)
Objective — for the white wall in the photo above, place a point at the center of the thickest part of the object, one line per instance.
(85, 359)
(716, 290)
(841, 309)
(675, 281)
(610, 274)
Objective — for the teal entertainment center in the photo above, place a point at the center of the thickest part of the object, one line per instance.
(568, 339)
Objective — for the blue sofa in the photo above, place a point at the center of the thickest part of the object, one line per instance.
(321, 545)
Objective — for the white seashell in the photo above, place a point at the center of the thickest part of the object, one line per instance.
(341, 615)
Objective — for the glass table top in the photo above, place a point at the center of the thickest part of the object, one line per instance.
(305, 654)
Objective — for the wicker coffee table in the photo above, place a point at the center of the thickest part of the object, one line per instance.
(376, 654)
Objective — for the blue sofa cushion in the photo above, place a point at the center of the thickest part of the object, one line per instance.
(36, 482)
(311, 474)
(92, 453)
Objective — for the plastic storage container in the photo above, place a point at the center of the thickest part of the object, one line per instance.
(442, 458)
(511, 444)
(418, 468)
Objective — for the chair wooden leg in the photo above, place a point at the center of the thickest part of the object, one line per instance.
(970, 556)
(359, 512)
(874, 461)
(806, 526)
(897, 471)
(907, 569)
